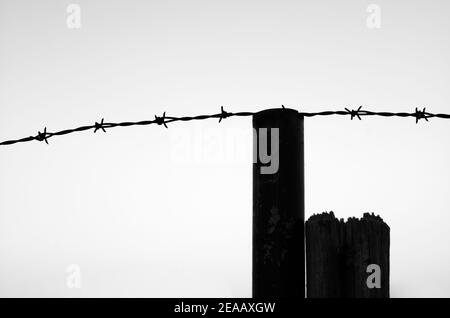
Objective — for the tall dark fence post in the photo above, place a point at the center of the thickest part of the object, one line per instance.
(278, 205)
(344, 258)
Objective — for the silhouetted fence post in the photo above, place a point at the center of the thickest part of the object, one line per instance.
(347, 259)
(324, 256)
(278, 204)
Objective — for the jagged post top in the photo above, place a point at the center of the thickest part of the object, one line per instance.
(329, 216)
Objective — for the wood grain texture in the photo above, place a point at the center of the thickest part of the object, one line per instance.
(338, 254)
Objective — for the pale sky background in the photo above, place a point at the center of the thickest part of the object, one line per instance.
(155, 212)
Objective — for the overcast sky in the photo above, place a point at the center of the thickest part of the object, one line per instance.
(155, 212)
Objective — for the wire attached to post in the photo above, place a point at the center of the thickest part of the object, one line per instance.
(164, 120)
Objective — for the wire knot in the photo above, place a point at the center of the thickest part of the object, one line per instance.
(99, 126)
(161, 120)
(420, 114)
(223, 114)
(42, 136)
(354, 113)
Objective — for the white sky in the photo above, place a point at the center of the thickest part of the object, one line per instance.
(150, 212)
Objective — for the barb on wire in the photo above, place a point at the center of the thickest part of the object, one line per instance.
(354, 113)
(99, 126)
(42, 136)
(164, 120)
(421, 115)
(161, 120)
(223, 114)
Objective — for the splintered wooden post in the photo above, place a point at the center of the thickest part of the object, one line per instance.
(278, 268)
(367, 243)
(347, 259)
(324, 256)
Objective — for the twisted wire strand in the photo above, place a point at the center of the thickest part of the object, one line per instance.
(164, 120)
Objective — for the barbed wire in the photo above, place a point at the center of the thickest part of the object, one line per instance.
(164, 120)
